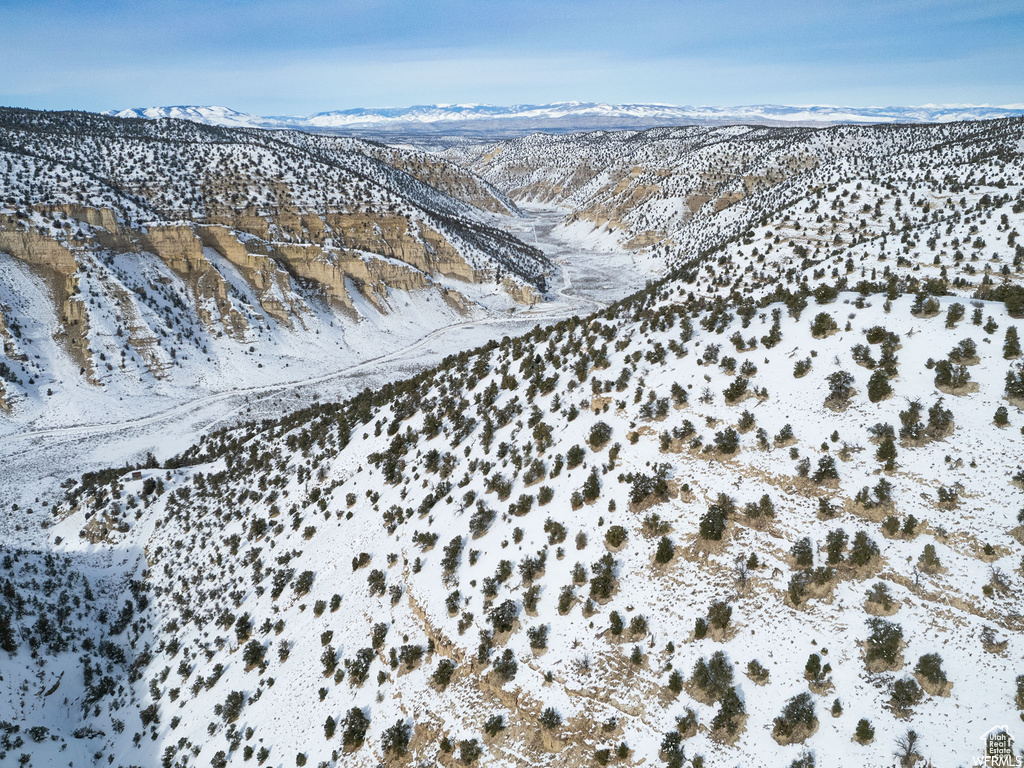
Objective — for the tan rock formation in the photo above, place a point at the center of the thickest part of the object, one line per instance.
(309, 262)
(95, 217)
(456, 300)
(182, 251)
(57, 266)
(258, 270)
(521, 293)
(390, 235)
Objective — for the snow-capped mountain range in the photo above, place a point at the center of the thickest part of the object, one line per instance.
(570, 116)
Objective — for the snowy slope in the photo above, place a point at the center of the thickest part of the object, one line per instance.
(449, 557)
(144, 260)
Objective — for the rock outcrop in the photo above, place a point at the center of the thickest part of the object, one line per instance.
(57, 266)
(182, 251)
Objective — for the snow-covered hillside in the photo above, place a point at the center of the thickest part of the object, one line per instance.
(767, 510)
(166, 258)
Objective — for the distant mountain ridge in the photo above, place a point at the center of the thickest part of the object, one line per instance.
(563, 117)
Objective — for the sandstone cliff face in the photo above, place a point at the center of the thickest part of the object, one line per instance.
(260, 272)
(96, 217)
(390, 235)
(456, 301)
(182, 251)
(309, 262)
(521, 293)
(330, 269)
(56, 265)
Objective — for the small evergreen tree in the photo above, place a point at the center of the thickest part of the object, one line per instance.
(666, 551)
(233, 706)
(883, 644)
(675, 681)
(443, 673)
(803, 553)
(1011, 345)
(574, 457)
(929, 666)
(863, 549)
(395, 739)
(840, 387)
(254, 654)
(550, 719)
(822, 325)
(729, 711)
(835, 543)
(878, 386)
(1015, 382)
(887, 453)
(719, 614)
(592, 486)
(905, 694)
(826, 470)
(799, 711)
(600, 434)
(494, 724)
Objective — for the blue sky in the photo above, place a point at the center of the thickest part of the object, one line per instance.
(304, 56)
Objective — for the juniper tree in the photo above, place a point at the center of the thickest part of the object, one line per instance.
(600, 434)
(865, 732)
(574, 457)
(254, 654)
(863, 549)
(592, 486)
(1015, 382)
(1011, 345)
(506, 666)
(713, 676)
(826, 470)
(615, 622)
(822, 325)
(929, 666)
(730, 709)
(803, 553)
(603, 579)
(443, 673)
(880, 594)
(494, 724)
(719, 614)
(799, 711)
(887, 454)
(950, 375)
(395, 739)
(840, 387)
(728, 441)
(835, 543)
(550, 719)
(905, 694)
(878, 386)
(666, 551)
(883, 644)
